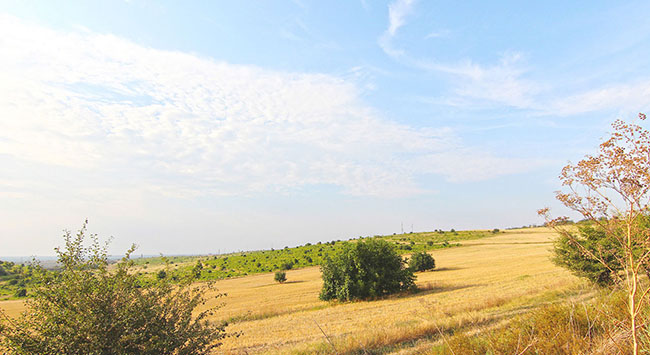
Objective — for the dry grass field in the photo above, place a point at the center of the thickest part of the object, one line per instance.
(481, 284)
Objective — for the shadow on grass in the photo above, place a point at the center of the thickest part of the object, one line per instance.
(432, 287)
(277, 283)
(447, 269)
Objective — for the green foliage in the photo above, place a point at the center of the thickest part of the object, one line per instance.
(287, 265)
(261, 261)
(85, 308)
(280, 276)
(585, 252)
(14, 277)
(198, 268)
(365, 269)
(21, 292)
(161, 274)
(422, 261)
(577, 254)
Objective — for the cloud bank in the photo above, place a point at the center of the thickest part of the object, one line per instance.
(184, 124)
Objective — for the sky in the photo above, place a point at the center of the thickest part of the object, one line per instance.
(216, 126)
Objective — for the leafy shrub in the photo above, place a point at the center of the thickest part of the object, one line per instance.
(280, 276)
(198, 268)
(571, 255)
(21, 292)
(363, 270)
(161, 274)
(85, 308)
(578, 253)
(422, 261)
(287, 265)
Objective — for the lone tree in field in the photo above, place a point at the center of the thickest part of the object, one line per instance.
(422, 261)
(87, 308)
(365, 269)
(611, 190)
(280, 276)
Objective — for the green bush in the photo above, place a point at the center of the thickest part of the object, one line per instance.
(280, 276)
(570, 253)
(287, 265)
(85, 308)
(580, 253)
(365, 269)
(422, 261)
(21, 292)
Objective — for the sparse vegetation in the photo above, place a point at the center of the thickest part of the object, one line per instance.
(217, 267)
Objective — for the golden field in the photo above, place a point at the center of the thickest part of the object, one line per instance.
(481, 284)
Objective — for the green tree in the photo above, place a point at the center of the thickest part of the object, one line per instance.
(365, 269)
(422, 261)
(87, 308)
(280, 276)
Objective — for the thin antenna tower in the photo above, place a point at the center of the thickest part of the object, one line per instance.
(402, 227)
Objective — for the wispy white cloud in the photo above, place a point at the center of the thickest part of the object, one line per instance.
(474, 84)
(397, 13)
(437, 34)
(501, 84)
(176, 122)
(632, 97)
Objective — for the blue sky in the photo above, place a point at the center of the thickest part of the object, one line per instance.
(199, 127)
